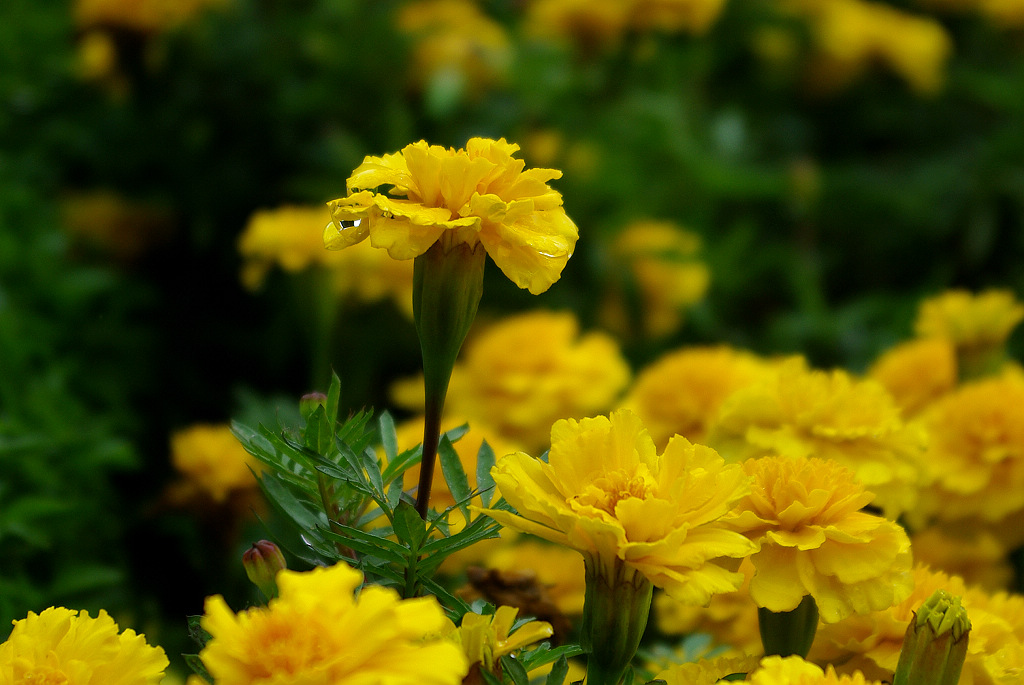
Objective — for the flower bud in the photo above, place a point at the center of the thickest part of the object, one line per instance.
(262, 561)
(935, 644)
(309, 402)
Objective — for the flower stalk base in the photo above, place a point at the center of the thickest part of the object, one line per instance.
(447, 287)
(785, 633)
(615, 611)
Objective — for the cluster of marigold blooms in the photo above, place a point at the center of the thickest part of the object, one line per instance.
(732, 484)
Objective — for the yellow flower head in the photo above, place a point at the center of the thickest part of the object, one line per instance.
(552, 373)
(65, 646)
(805, 516)
(213, 460)
(967, 550)
(486, 638)
(797, 412)
(681, 392)
(706, 671)
(317, 632)
(872, 642)
(605, 492)
(730, 618)
(917, 372)
(975, 456)
(658, 261)
(479, 195)
(559, 571)
(142, 16)
(968, 320)
(792, 670)
(453, 38)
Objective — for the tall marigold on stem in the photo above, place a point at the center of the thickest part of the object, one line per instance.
(447, 209)
(639, 519)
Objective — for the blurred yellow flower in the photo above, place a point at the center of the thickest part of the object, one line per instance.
(797, 412)
(317, 632)
(142, 16)
(212, 460)
(977, 325)
(62, 645)
(481, 195)
(117, 225)
(453, 39)
(730, 618)
(292, 237)
(804, 515)
(917, 372)
(681, 392)
(557, 569)
(872, 642)
(792, 670)
(706, 671)
(676, 16)
(975, 456)
(1003, 13)
(555, 373)
(606, 493)
(486, 638)
(967, 550)
(657, 262)
(850, 35)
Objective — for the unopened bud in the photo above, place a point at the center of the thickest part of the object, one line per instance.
(935, 644)
(310, 401)
(262, 562)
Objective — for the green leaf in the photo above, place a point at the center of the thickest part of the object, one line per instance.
(394, 493)
(511, 667)
(333, 398)
(484, 481)
(196, 632)
(454, 474)
(455, 606)
(302, 513)
(544, 654)
(193, 662)
(558, 672)
(409, 527)
(319, 436)
(388, 436)
(402, 462)
(367, 543)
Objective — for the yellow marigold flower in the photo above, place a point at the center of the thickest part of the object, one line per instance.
(557, 569)
(317, 632)
(975, 455)
(592, 24)
(213, 460)
(917, 372)
(292, 237)
(805, 516)
(454, 39)
(792, 670)
(657, 261)
(968, 550)
(977, 325)
(555, 373)
(62, 645)
(730, 618)
(486, 638)
(605, 492)
(796, 412)
(706, 671)
(481, 195)
(872, 642)
(681, 392)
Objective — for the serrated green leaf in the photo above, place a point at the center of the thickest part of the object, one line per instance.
(454, 475)
(511, 667)
(368, 543)
(544, 654)
(394, 495)
(300, 512)
(371, 466)
(355, 463)
(388, 436)
(193, 661)
(333, 399)
(402, 463)
(455, 606)
(409, 527)
(484, 480)
(196, 632)
(558, 672)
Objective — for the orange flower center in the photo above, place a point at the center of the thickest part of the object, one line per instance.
(608, 489)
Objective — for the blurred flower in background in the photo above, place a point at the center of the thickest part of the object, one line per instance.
(655, 275)
(105, 222)
(214, 464)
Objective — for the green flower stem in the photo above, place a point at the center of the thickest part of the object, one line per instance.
(616, 606)
(447, 287)
(786, 633)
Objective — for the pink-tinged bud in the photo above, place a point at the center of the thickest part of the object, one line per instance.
(310, 401)
(262, 562)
